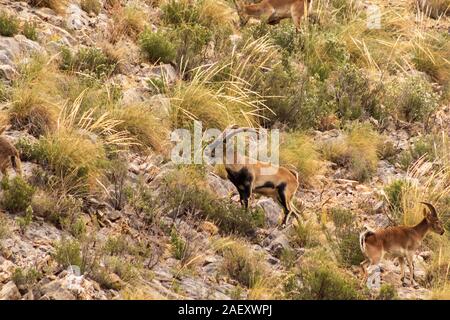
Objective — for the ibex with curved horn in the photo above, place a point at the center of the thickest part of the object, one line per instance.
(249, 175)
(399, 241)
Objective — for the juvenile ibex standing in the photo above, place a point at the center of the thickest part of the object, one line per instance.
(277, 10)
(249, 175)
(9, 156)
(400, 241)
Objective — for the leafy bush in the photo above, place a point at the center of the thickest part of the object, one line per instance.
(413, 99)
(387, 292)
(25, 221)
(306, 235)
(68, 253)
(156, 46)
(30, 31)
(432, 146)
(17, 194)
(25, 277)
(394, 194)
(89, 60)
(194, 24)
(243, 265)
(144, 204)
(181, 247)
(352, 94)
(9, 24)
(186, 193)
(323, 280)
(347, 237)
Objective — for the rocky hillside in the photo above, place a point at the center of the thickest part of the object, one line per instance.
(90, 91)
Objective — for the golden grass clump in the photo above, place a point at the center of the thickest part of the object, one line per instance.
(147, 130)
(76, 151)
(127, 21)
(248, 269)
(34, 100)
(31, 112)
(357, 151)
(299, 150)
(215, 103)
(58, 6)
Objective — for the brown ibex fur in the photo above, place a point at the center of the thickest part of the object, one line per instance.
(277, 10)
(9, 156)
(249, 175)
(399, 241)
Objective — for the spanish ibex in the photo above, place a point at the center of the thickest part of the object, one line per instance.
(249, 175)
(399, 241)
(9, 156)
(276, 10)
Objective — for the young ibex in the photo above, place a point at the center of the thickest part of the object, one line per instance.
(276, 10)
(9, 156)
(399, 241)
(249, 175)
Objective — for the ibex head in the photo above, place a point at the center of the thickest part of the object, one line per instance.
(433, 219)
(242, 13)
(229, 132)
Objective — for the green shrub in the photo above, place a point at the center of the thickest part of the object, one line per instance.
(180, 247)
(9, 24)
(141, 199)
(194, 24)
(25, 221)
(347, 237)
(29, 30)
(431, 146)
(352, 94)
(68, 253)
(323, 280)
(243, 265)
(306, 235)
(188, 192)
(387, 292)
(394, 194)
(116, 246)
(17, 194)
(156, 46)
(25, 277)
(413, 99)
(88, 60)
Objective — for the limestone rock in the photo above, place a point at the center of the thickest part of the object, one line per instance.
(9, 291)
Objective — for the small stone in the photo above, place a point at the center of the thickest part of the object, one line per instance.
(114, 215)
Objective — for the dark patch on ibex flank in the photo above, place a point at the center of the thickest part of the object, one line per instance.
(267, 184)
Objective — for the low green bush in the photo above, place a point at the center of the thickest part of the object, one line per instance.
(17, 194)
